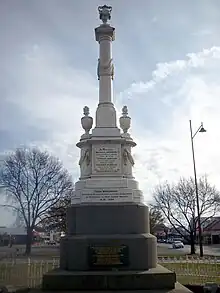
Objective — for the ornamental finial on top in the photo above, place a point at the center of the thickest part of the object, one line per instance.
(105, 13)
(125, 111)
(86, 111)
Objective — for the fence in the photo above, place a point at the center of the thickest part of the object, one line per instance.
(11, 255)
(28, 273)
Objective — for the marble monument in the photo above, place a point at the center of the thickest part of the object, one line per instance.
(108, 244)
(106, 161)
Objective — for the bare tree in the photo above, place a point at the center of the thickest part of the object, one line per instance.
(34, 181)
(177, 202)
(55, 218)
(156, 218)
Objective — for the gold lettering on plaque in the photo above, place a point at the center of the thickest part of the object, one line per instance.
(109, 256)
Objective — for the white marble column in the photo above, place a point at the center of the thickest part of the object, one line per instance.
(105, 75)
(105, 113)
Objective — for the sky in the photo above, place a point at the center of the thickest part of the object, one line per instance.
(167, 71)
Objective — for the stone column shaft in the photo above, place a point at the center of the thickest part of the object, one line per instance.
(105, 114)
(105, 81)
(105, 90)
(105, 53)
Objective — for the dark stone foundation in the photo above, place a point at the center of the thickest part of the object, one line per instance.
(153, 279)
(108, 225)
(142, 251)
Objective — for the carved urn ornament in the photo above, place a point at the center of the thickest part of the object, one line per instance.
(87, 120)
(125, 120)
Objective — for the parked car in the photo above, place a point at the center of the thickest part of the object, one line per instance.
(178, 244)
(169, 240)
(52, 242)
(159, 240)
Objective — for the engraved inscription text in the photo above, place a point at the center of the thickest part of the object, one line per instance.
(107, 159)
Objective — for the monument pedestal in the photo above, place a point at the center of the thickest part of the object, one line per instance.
(104, 252)
(153, 279)
(108, 247)
(104, 230)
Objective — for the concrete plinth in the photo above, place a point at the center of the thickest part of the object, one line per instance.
(142, 253)
(112, 225)
(178, 289)
(119, 218)
(153, 279)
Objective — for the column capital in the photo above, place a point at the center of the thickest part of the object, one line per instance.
(104, 30)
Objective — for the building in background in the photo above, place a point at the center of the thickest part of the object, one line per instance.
(11, 236)
(18, 236)
(210, 230)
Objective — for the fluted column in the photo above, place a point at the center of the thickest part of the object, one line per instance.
(105, 34)
(105, 66)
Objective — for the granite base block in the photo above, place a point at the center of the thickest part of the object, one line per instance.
(107, 219)
(142, 250)
(154, 279)
(178, 289)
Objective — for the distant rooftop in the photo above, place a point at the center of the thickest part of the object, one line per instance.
(13, 231)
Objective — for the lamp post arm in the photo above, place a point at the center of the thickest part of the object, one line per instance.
(193, 135)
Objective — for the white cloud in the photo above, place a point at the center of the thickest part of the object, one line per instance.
(155, 19)
(46, 81)
(168, 156)
(202, 32)
(52, 94)
(164, 70)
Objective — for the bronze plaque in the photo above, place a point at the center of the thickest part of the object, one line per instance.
(108, 256)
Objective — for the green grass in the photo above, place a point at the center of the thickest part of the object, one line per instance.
(172, 255)
(195, 273)
(24, 275)
(184, 256)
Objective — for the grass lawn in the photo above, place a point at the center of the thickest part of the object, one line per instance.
(24, 275)
(195, 273)
(184, 256)
(177, 254)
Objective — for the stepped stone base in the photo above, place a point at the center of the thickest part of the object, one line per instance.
(158, 278)
(178, 289)
(142, 253)
(114, 218)
(111, 225)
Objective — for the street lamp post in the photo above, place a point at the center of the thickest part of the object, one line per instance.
(200, 129)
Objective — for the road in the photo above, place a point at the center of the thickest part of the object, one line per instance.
(45, 252)
(49, 252)
(163, 248)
